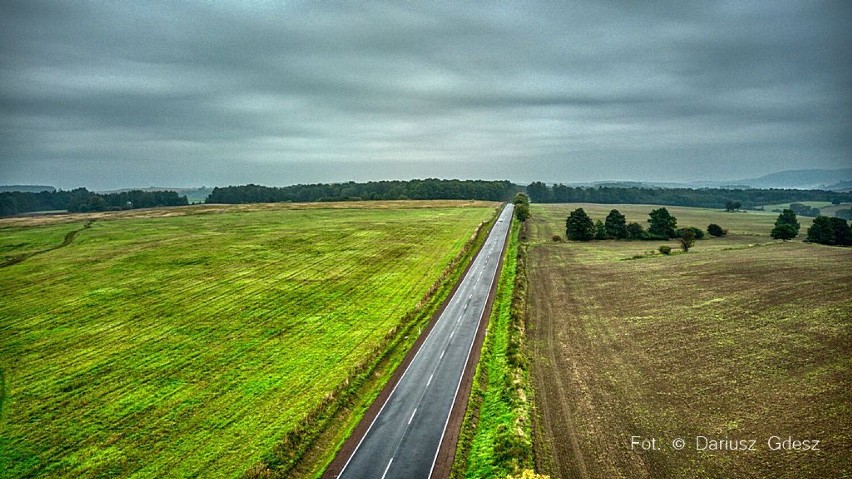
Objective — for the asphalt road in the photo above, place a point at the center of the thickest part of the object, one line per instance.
(404, 438)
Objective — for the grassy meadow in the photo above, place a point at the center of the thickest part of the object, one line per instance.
(187, 342)
(741, 338)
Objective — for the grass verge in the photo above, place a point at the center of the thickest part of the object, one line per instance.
(495, 436)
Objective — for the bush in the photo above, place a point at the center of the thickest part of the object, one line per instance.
(556, 239)
(698, 233)
(666, 250)
(716, 230)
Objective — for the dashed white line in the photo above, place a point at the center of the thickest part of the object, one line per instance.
(452, 333)
(430, 380)
(386, 469)
(412, 415)
(442, 353)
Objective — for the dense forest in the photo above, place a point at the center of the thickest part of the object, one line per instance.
(429, 189)
(702, 197)
(83, 200)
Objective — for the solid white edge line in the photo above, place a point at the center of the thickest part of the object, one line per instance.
(386, 469)
(345, 465)
(455, 396)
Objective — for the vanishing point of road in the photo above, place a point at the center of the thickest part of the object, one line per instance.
(404, 438)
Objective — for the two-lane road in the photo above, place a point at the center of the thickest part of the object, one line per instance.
(404, 438)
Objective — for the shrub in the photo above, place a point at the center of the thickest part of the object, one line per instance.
(665, 249)
(716, 230)
(556, 239)
(698, 233)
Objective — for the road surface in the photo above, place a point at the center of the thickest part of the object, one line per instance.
(404, 438)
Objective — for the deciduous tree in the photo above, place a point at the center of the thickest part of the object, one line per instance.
(687, 238)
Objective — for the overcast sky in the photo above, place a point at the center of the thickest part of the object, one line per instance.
(138, 93)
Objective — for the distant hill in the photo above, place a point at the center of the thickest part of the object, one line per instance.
(26, 188)
(833, 180)
(842, 186)
(804, 180)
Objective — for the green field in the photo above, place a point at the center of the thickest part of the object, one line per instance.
(741, 338)
(188, 342)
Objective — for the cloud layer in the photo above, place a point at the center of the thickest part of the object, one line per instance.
(113, 94)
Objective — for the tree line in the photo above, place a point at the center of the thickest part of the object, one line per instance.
(83, 200)
(428, 189)
(661, 226)
(730, 199)
(832, 231)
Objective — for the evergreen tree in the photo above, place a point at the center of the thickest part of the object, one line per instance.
(616, 225)
(600, 230)
(786, 226)
(662, 223)
(579, 226)
(830, 231)
(635, 231)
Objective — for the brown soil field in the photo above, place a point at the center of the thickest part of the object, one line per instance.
(740, 339)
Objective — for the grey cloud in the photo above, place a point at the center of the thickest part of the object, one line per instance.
(318, 91)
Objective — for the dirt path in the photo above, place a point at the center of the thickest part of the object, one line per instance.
(69, 238)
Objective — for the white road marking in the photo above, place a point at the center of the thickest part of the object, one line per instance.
(442, 353)
(386, 469)
(412, 415)
(430, 380)
(452, 333)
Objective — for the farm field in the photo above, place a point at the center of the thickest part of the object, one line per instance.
(187, 342)
(741, 338)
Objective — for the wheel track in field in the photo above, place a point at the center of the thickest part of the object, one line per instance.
(556, 418)
(298, 277)
(69, 238)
